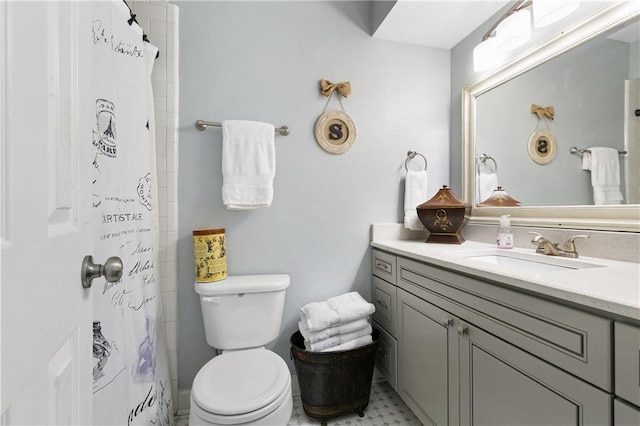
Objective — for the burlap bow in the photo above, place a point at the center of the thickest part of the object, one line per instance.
(542, 112)
(327, 88)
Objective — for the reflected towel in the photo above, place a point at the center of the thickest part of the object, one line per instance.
(487, 183)
(334, 311)
(415, 193)
(337, 340)
(356, 343)
(316, 336)
(604, 164)
(248, 164)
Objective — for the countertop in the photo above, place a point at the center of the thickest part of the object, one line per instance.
(612, 288)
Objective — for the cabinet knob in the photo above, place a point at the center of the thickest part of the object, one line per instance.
(463, 330)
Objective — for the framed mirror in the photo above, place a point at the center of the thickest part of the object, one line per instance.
(570, 94)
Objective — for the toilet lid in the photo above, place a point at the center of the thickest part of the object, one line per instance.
(240, 382)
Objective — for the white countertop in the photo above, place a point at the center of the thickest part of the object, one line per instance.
(612, 288)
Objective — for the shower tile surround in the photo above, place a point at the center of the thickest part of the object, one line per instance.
(159, 20)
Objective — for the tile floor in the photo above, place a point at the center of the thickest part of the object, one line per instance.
(385, 409)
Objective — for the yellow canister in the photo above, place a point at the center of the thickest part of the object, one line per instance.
(210, 255)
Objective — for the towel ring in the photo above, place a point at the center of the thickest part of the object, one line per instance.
(410, 156)
(483, 159)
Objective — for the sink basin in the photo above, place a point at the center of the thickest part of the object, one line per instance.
(528, 261)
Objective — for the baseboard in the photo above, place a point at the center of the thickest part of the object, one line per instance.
(184, 402)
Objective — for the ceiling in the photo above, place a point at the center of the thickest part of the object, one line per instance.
(436, 23)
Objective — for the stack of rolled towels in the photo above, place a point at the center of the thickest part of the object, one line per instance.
(337, 324)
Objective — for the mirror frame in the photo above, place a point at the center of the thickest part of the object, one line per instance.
(608, 217)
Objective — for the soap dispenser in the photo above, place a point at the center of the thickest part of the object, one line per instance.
(505, 237)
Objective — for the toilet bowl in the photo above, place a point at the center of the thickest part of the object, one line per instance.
(246, 384)
(242, 387)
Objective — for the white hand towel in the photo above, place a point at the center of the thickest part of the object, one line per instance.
(487, 183)
(337, 340)
(604, 164)
(334, 311)
(356, 343)
(248, 164)
(415, 193)
(316, 336)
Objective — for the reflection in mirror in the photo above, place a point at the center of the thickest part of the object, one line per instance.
(580, 89)
(585, 92)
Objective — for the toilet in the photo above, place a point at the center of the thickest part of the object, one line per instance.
(247, 384)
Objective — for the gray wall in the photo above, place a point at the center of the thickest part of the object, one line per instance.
(263, 61)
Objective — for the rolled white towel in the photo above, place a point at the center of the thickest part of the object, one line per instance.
(337, 339)
(315, 336)
(352, 344)
(335, 311)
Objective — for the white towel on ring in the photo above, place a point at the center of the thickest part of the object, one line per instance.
(334, 311)
(349, 327)
(352, 344)
(248, 164)
(487, 183)
(337, 340)
(415, 193)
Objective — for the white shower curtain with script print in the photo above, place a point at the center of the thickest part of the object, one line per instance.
(130, 366)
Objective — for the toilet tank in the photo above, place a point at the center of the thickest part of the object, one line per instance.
(242, 311)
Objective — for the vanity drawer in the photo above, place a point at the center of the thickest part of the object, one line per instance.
(384, 299)
(627, 366)
(383, 265)
(571, 339)
(387, 356)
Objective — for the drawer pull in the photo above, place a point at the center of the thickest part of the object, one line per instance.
(381, 303)
(449, 322)
(382, 265)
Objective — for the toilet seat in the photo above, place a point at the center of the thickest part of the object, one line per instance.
(241, 386)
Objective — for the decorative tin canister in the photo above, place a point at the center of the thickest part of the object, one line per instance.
(444, 216)
(210, 255)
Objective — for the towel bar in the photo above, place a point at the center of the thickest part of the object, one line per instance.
(202, 125)
(576, 150)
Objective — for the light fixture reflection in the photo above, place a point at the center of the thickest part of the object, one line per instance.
(514, 30)
(486, 55)
(546, 12)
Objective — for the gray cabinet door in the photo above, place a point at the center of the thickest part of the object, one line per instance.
(625, 414)
(427, 360)
(503, 385)
(627, 356)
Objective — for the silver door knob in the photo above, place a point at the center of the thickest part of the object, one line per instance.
(111, 270)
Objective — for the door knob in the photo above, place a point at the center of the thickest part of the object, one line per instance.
(111, 270)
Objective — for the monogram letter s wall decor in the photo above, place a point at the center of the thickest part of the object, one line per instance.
(335, 131)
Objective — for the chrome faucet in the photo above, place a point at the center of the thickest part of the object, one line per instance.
(550, 248)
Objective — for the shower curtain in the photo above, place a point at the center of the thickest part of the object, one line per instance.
(130, 366)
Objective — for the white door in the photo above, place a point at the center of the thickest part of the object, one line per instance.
(45, 210)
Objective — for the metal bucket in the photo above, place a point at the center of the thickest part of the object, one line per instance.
(334, 383)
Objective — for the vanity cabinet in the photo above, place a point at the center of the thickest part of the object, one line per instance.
(384, 293)
(476, 352)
